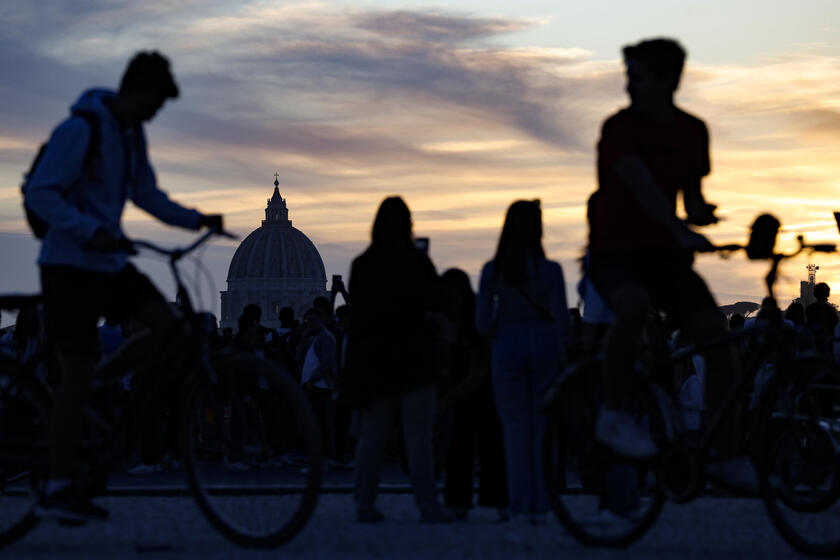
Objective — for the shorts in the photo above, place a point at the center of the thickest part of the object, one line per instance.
(665, 274)
(75, 299)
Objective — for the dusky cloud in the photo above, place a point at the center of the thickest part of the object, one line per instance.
(352, 105)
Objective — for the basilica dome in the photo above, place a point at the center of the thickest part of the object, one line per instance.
(275, 266)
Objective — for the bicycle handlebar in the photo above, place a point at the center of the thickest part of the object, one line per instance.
(180, 252)
(776, 258)
(812, 248)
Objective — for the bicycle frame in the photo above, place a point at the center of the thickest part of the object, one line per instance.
(772, 335)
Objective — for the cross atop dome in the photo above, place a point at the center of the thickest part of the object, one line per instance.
(276, 213)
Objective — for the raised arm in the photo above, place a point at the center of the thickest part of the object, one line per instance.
(150, 198)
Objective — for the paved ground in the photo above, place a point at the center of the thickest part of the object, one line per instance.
(152, 518)
(172, 527)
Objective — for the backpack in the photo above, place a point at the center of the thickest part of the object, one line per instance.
(38, 226)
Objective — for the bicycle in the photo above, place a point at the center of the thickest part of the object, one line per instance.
(240, 417)
(793, 443)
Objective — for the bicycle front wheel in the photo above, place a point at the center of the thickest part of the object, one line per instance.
(799, 468)
(600, 498)
(252, 451)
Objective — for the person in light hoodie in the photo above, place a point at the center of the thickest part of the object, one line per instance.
(94, 161)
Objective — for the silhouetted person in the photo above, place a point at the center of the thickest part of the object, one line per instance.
(285, 340)
(84, 268)
(325, 308)
(795, 318)
(795, 313)
(390, 365)
(736, 321)
(641, 252)
(255, 311)
(821, 317)
(344, 408)
(317, 352)
(522, 305)
(286, 316)
(476, 432)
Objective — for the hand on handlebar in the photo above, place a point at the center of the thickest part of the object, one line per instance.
(212, 221)
(702, 214)
(693, 241)
(104, 241)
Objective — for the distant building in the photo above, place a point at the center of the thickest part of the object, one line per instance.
(275, 266)
(806, 287)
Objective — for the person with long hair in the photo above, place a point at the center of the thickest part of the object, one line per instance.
(522, 305)
(390, 363)
(474, 428)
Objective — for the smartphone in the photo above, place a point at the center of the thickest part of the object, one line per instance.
(422, 243)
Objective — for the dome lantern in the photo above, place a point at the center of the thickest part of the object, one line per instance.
(276, 212)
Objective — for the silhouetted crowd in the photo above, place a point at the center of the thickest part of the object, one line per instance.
(417, 369)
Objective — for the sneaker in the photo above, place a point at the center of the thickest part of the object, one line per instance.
(369, 516)
(436, 516)
(143, 468)
(737, 474)
(170, 463)
(69, 507)
(620, 432)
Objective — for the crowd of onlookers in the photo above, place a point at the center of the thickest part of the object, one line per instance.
(464, 373)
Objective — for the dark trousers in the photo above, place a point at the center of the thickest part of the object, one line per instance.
(418, 415)
(476, 433)
(324, 409)
(343, 420)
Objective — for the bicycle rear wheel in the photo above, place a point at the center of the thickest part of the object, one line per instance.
(252, 451)
(799, 468)
(600, 498)
(23, 450)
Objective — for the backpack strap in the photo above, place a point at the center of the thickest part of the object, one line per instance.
(36, 224)
(92, 152)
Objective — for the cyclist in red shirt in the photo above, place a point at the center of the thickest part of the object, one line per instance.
(641, 253)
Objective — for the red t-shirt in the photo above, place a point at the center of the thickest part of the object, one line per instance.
(675, 153)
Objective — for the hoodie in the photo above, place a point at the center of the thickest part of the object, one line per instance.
(75, 201)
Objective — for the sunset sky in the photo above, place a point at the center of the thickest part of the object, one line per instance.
(460, 111)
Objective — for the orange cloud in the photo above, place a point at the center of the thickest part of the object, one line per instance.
(349, 108)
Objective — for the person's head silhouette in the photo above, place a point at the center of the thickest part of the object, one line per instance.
(392, 225)
(654, 67)
(822, 291)
(286, 317)
(795, 313)
(145, 86)
(520, 242)
(324, 306)
(458, 298)
(254, 311)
